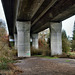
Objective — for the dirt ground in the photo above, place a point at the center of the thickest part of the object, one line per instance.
(44, 66)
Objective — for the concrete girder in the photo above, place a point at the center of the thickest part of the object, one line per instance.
(10, 9)
(45, 12)
(56, 13)
(47, 25)
(28, 8)
(52, 2)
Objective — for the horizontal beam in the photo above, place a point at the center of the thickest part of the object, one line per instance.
(27, 9)
(10, 7)
(45, 10)
(56, 13)
(47, 25)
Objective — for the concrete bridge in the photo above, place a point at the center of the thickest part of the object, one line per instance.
(25, 18)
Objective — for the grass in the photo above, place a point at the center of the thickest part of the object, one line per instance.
(46, 57)
(67, 61)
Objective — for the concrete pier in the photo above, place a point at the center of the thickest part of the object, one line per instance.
(35, 41)
(56, 39)
(15, 41)
(23, 36)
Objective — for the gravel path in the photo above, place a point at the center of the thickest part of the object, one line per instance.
(44, 66)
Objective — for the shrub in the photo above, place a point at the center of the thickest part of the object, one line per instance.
(42, 51)
(43, 48)
(35, 51)
(73, 45)
(6, 53)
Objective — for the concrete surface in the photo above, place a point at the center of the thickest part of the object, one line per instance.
(23, 37)
(35, 41)
(56, 39)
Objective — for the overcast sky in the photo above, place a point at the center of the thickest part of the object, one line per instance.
(67, 24)
(1, 12)
(2, 16)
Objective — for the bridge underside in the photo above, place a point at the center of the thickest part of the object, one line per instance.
(33, 16)
(39, 12)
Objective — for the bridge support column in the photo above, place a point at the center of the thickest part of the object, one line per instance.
(56, 39)
(35, 41)
(23, 29)
(15, 41)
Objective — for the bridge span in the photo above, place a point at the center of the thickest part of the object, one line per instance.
(26, 18)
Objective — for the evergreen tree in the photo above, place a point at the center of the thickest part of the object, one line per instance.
(65, 42)
(64, 34)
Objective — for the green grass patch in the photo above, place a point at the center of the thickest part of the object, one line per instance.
(67, 61)
(46, 57)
